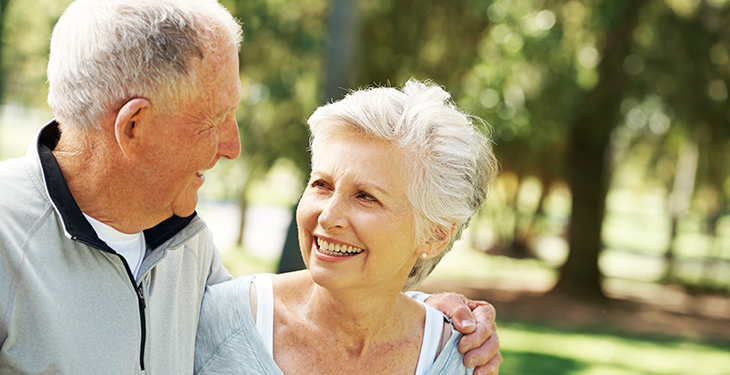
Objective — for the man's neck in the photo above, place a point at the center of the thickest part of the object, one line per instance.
(96, 177)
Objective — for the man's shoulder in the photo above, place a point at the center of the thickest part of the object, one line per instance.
(18, 181)
(13, 167)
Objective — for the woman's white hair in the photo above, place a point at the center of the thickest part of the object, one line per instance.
(451, 161)
(105, 52)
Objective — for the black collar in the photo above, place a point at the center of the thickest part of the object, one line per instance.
(75, 222)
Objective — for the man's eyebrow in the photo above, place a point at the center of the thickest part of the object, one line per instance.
(225, 111)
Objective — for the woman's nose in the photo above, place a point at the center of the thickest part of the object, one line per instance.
(334, 214)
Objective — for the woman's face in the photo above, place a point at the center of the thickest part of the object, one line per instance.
(356, 228)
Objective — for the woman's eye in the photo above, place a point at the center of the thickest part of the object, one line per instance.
(365, 196)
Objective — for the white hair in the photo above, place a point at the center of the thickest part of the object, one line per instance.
(451, 163)
(105, 52)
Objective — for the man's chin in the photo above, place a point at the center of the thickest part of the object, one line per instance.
(185, 209)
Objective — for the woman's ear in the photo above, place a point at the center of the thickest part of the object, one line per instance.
(437, 243)
(127, 124)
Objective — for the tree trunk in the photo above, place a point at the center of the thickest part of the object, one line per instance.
(243, 207)
(242, 198)
(343, 32)
(589, 169)
(588, 181)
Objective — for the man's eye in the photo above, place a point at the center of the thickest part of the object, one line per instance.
(319, 184)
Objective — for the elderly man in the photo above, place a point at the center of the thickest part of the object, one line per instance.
(104, 260)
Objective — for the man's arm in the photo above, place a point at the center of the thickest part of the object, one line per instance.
(217, 272)
(477, 321)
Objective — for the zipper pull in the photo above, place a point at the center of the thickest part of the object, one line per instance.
(140, 294)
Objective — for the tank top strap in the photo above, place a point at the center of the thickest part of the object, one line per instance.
(265, 309)
(432, 330)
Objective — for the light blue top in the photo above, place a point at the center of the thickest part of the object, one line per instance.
(228, 341)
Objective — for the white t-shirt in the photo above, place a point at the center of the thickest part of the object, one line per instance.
(130, 246)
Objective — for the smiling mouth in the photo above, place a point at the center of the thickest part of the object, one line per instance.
(337, 250)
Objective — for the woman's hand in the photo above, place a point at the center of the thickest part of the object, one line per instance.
(477, 321)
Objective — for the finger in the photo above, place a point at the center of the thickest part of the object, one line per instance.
(474, 304)
(491, 368)
(484, 356)
(485, 326)
(463, 320)
(456, 308)
(487, 309)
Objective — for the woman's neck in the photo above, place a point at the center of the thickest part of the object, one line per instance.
(360, 315)
(361, 322)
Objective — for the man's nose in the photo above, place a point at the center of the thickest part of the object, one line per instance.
(229, 141)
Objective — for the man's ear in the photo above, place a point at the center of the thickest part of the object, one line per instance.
(438, 243)
(127, 124)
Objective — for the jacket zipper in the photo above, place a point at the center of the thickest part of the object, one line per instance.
(140, 299)
(142, 305)
(141, 302)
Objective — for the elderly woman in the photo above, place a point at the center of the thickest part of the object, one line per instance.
(396, 176)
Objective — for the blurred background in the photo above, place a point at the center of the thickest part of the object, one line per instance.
(605, 243)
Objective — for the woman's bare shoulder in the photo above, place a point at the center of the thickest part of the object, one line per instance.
(291, 284)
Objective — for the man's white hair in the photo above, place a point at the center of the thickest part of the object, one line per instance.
(105, 52)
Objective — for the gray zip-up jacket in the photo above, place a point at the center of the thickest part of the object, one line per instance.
(69, 303)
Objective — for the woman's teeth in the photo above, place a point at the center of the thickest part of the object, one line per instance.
(337, 249)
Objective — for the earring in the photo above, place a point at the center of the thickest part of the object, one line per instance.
(424, 255)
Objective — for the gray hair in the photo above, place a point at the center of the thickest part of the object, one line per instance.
(451, 161)
(105, 52)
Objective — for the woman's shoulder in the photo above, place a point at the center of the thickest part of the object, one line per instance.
(222, 294)
(291, 278)
(449, 360)
(226, 336)
(222, 304)
(442, 331)
(291, 284)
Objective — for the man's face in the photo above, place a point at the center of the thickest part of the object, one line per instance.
(201, 130)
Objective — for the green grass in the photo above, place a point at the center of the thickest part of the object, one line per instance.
(532, 349)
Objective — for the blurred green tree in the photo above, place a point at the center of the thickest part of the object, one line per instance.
(681, 62)
(281, 73)
(556, 79)
(3, 13)
(24, 54)
(571, 89)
